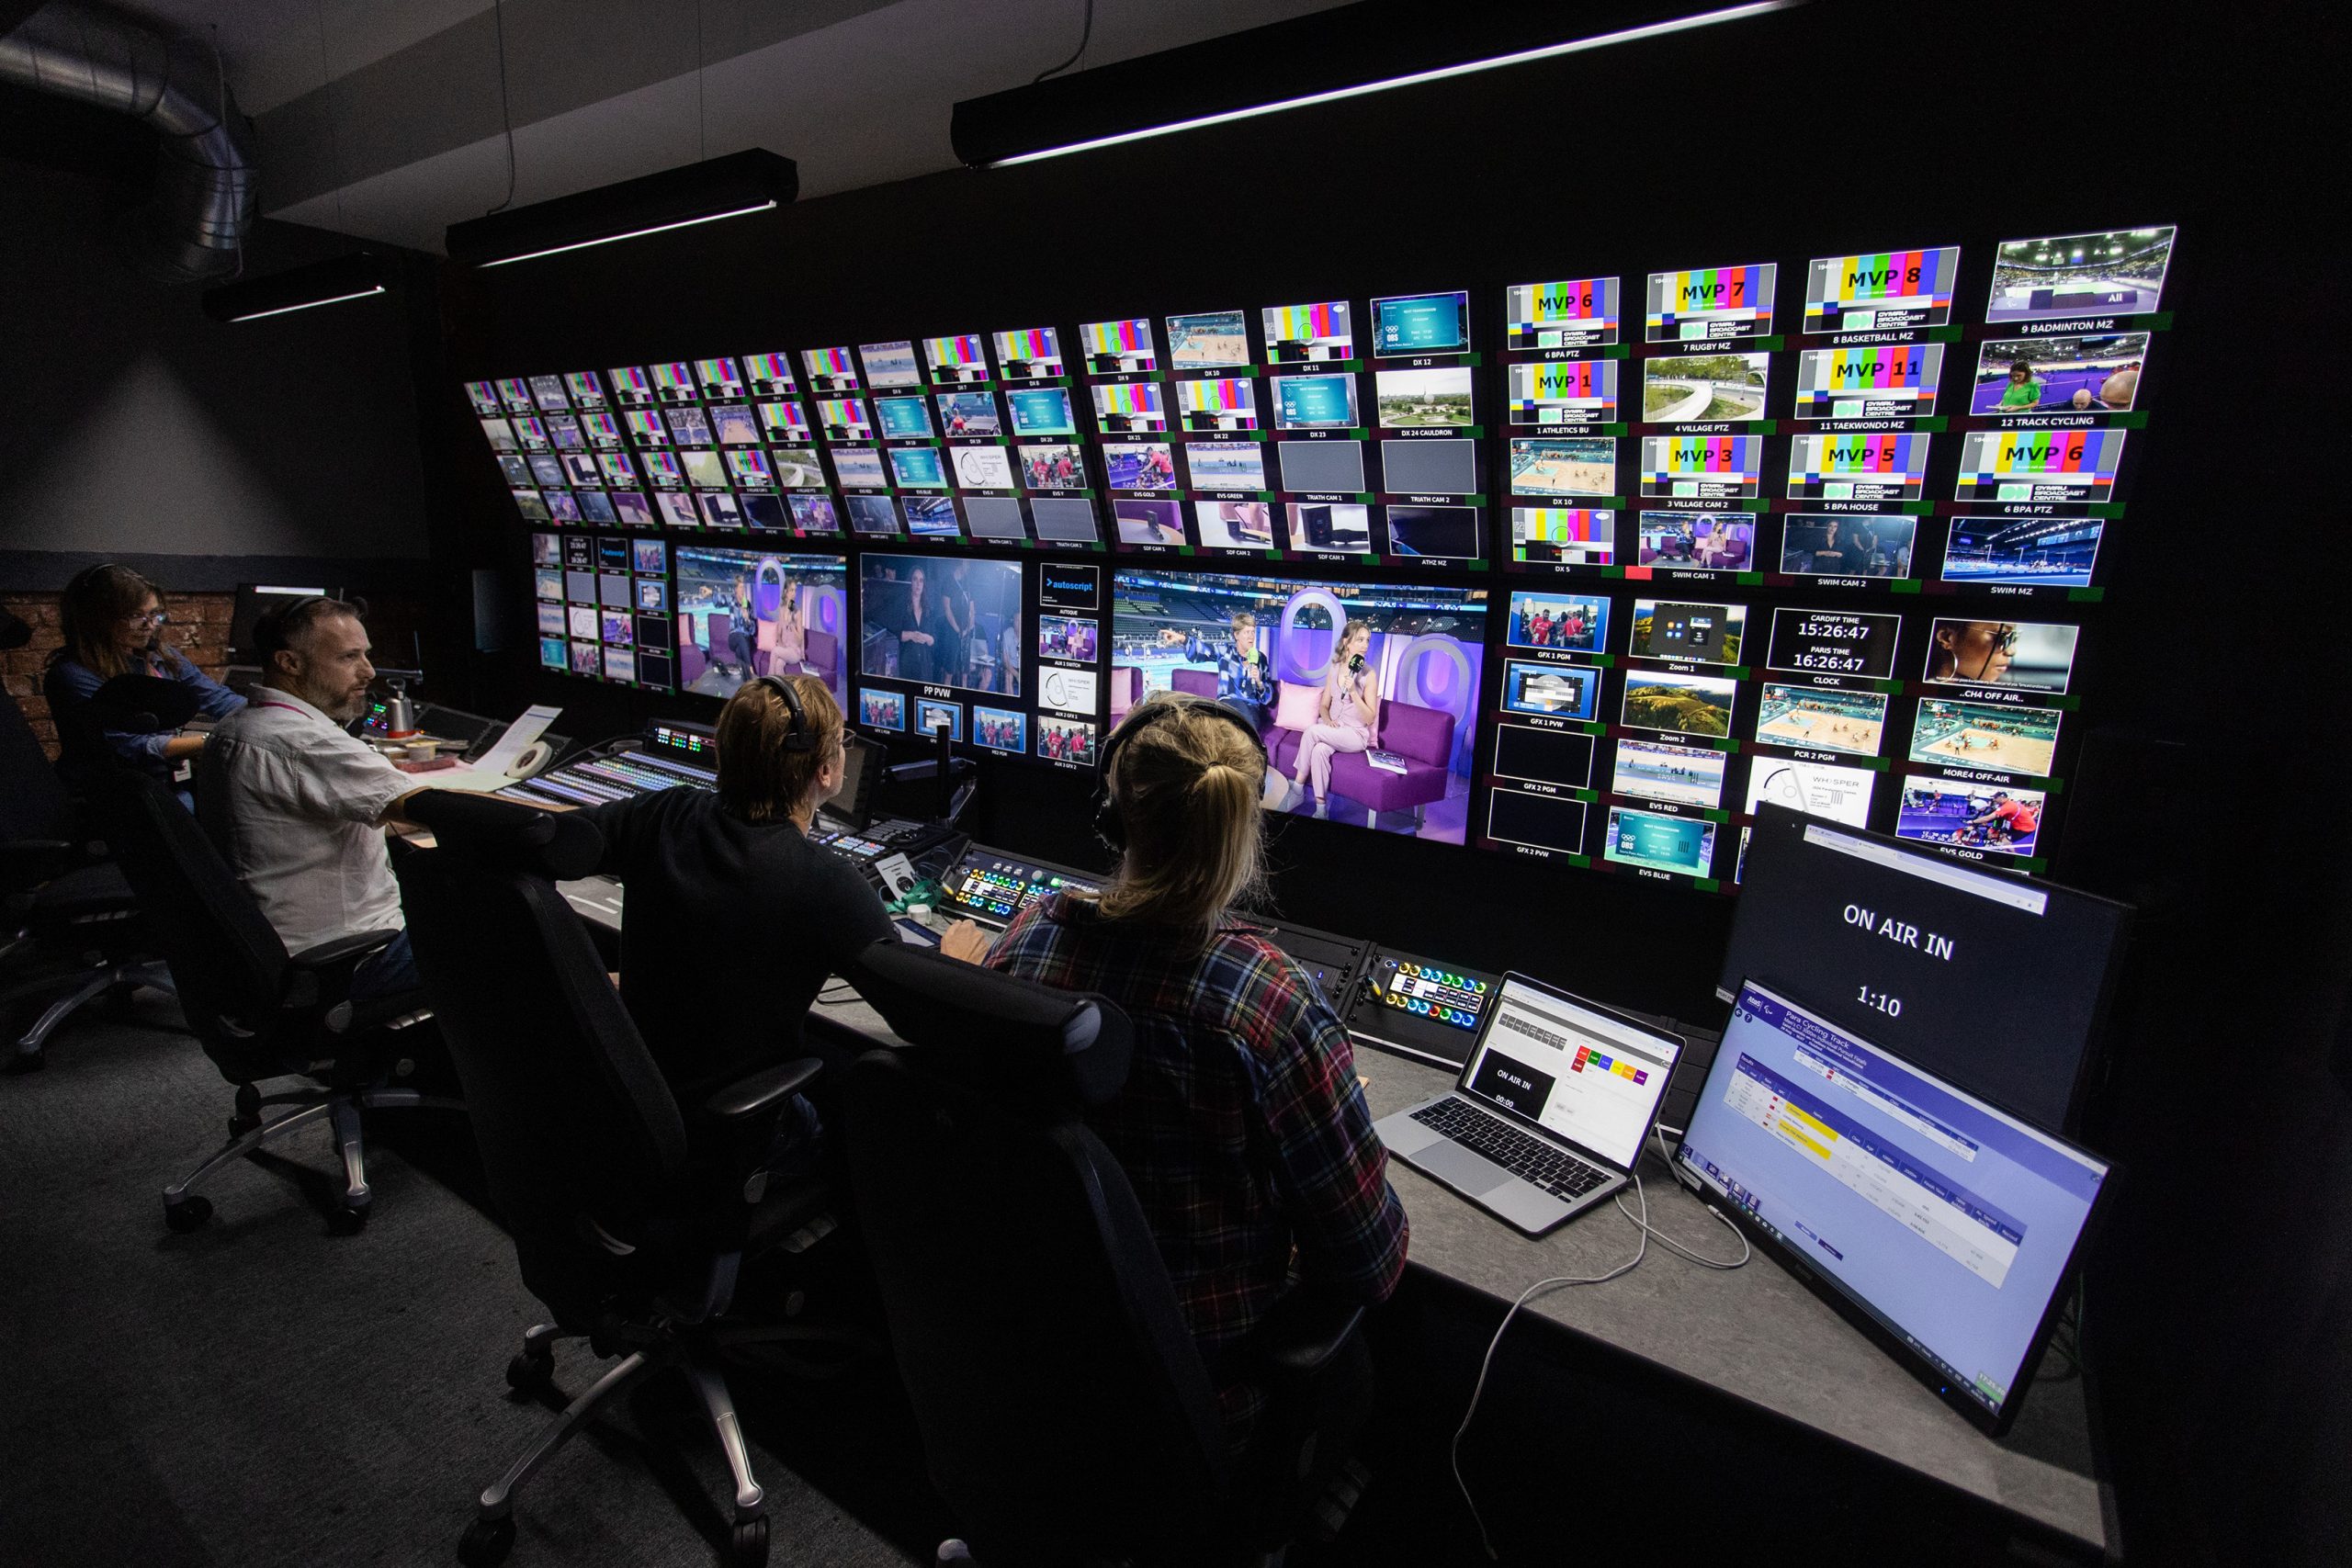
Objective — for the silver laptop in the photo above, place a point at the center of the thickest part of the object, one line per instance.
(1549, 1114)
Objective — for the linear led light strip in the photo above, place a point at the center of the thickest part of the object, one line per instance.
(1575, 46)
(633, 234)
(307, 305)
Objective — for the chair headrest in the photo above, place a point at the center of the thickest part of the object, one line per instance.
(145, 703)
(1002, 1035)
(14, 631)
(558, 845)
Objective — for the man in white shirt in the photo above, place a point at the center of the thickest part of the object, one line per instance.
(298, 806)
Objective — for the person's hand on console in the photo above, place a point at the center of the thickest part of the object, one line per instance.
(966, 940)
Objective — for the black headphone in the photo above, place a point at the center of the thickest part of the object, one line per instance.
(1108, 825)
(798, 736)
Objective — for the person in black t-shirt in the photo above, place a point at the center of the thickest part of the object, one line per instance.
(735, 919)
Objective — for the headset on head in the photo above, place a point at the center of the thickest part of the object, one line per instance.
(797, 734)
(1110, 826)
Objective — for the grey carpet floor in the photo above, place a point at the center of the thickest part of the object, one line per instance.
(265, 1392)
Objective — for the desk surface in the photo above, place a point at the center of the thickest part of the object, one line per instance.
(1752, 1332)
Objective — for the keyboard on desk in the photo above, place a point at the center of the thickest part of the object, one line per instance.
(1529, 1158)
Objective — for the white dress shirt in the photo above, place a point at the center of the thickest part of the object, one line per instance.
(296, 807)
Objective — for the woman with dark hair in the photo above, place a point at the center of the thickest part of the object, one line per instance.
(113, 623)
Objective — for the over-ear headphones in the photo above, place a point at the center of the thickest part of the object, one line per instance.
(797, 735)
(1110, 826)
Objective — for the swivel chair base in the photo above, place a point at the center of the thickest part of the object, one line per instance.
(80, 987)
(692, 1351)
(184, 1211)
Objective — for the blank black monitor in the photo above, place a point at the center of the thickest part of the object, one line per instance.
(994, 516)
(1064, 517)
(1995, 981)
(1436, 468)
(253, 598)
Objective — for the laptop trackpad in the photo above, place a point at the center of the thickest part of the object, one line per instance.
(1461, 1169)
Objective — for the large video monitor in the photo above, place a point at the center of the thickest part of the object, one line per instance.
(744, 613)
(1993, 980)
(1945, 1227)
(941, 621)
(1271, 648)
(2118, 272)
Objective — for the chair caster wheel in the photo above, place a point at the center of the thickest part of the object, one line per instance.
(239, 1126)
(21, 1061)
(486, 1542)
(348, 1221)
(190, 1213)
(527, 1373)
(749, 1547)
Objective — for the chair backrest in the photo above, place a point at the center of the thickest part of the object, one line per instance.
(1063, 1406)
(1197, 682)
(33, 802)
(227, 963)
(1425, 735)
(579, 1134)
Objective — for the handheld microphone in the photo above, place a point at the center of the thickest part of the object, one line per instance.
(1355, 663)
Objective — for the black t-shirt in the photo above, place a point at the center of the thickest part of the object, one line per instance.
(731, 929)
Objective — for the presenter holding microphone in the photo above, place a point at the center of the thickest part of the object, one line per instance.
(1348, 710)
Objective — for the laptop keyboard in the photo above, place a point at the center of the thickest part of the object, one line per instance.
(1529, 1158)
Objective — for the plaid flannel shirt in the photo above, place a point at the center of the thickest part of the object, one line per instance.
(1242, 1126)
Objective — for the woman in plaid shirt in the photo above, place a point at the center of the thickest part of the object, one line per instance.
(1242, 1126)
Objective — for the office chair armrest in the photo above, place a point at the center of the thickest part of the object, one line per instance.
(323, 974)
(1304, 1331)
(762, 1091)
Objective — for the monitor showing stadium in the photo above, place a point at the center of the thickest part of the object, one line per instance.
(1573, 314)
(1821, 718)
(1564, 465)
(1366, 695)
(1995, 737)
(1302, 333)
(2013, 655)
(911, 608)
(2093, 373)
(1885, 381)
(876, 517)
(1210, 340)
(1405, 324)
(1029, 353)
(744, 613)
(1711, 303)
(1562, 392)
(1563, 536)
(1847, 544)
(1687, 389)
(1113, 348)
(2025, 552)
(2118, 272)
(932, 517)
(1314, 402)
(1881, 291)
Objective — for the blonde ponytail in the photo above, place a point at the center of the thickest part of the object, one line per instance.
(1187, 781)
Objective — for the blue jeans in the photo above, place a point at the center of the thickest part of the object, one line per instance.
(385, 973)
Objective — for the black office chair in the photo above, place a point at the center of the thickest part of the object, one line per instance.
(631, 1217)
(69, 922)
(1067, 1415)
(259, 1011)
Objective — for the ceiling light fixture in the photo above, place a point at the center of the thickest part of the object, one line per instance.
(1356, 47)
(359, 276)
(736, 185)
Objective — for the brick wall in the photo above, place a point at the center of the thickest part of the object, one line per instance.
(199, 629)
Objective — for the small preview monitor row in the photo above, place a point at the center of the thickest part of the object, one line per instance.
(1841, 547)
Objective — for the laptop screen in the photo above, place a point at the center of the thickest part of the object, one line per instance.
(1593, 1079)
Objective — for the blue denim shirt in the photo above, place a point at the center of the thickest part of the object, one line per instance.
(70, 684)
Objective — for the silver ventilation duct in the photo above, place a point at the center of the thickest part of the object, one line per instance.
(193, 225)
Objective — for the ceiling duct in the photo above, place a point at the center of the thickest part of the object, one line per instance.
(193, 224)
